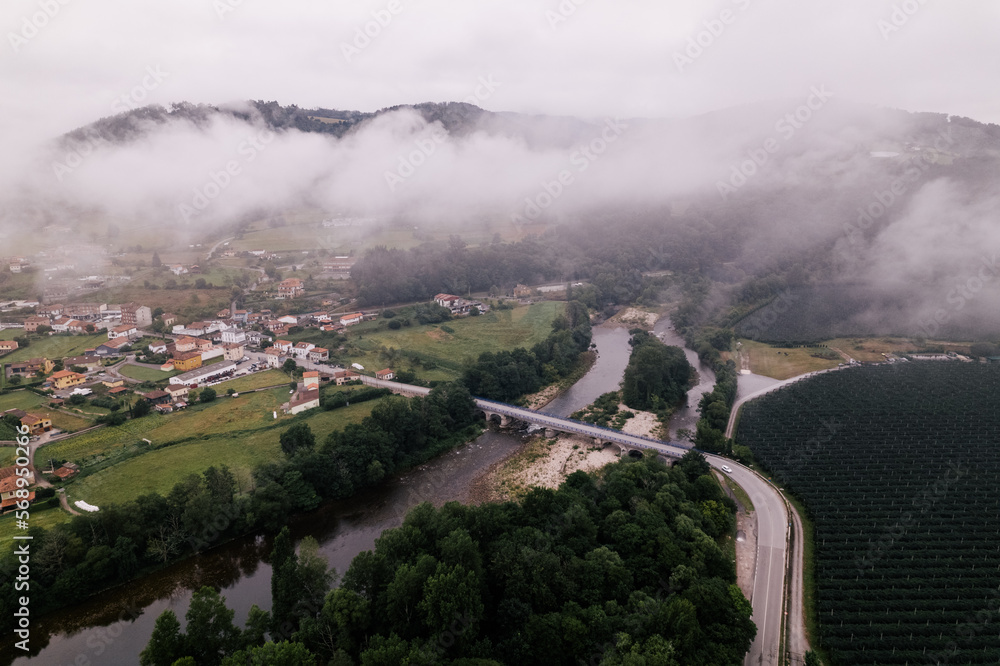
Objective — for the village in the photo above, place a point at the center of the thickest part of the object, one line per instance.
(134, 343)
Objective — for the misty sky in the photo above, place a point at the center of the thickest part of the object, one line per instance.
(586, 58)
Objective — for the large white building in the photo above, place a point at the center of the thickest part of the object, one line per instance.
(204, 374)
(233, 336)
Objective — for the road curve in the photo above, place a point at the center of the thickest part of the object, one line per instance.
(769, 578)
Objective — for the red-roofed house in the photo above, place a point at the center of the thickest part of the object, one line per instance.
(319, 354)
(290, 288)
(386, 374)
(352, 318)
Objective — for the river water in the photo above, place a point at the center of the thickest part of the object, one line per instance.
(686, 417)
(113, 627)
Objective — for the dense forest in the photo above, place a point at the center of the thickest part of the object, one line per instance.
(657, 375)
(619, 568)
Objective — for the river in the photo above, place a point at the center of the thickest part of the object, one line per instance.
(113, 627)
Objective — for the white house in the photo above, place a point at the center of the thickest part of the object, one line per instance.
(302, 349)
(124, 331)
(234, 336)
(352, 318)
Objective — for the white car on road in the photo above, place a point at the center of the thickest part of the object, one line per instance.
(727, 469)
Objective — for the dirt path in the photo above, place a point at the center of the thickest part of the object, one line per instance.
(798, 643)
(64, 503)
(844, 355)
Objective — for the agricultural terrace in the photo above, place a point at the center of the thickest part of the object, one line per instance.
(443, 347)
(240, 432)
(897, 466)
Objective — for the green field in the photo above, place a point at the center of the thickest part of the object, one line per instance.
(784, 363)
(146, 373)
(34, 403)
(159, 470)
(494, 331)
(257, 380)
(52, 347)
(37, 517)
(7, 455)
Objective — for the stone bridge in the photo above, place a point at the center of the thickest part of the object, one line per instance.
(504, 414)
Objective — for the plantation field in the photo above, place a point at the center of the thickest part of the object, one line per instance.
(36, 404)
(781, 363)
(52, 347)
(7, 455)
(160, 469)
(827, 311)
(897, 466)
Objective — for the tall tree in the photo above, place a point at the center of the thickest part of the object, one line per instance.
(166, 644)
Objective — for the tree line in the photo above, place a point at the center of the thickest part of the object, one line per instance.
(92, 552)
(619, 567)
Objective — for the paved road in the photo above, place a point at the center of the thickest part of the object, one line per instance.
(769, 578)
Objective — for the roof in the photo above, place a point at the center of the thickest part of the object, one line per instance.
(156, 395)
(320, 350)
(118, 389)
(176, 388)
(446, 297)
(272, 351)
(117, 343)
(311, 373)
(387, 371)
(124, 328)
(304, 345)
(282, 342)
(64, 374)
(352, 315)
(29, 419)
